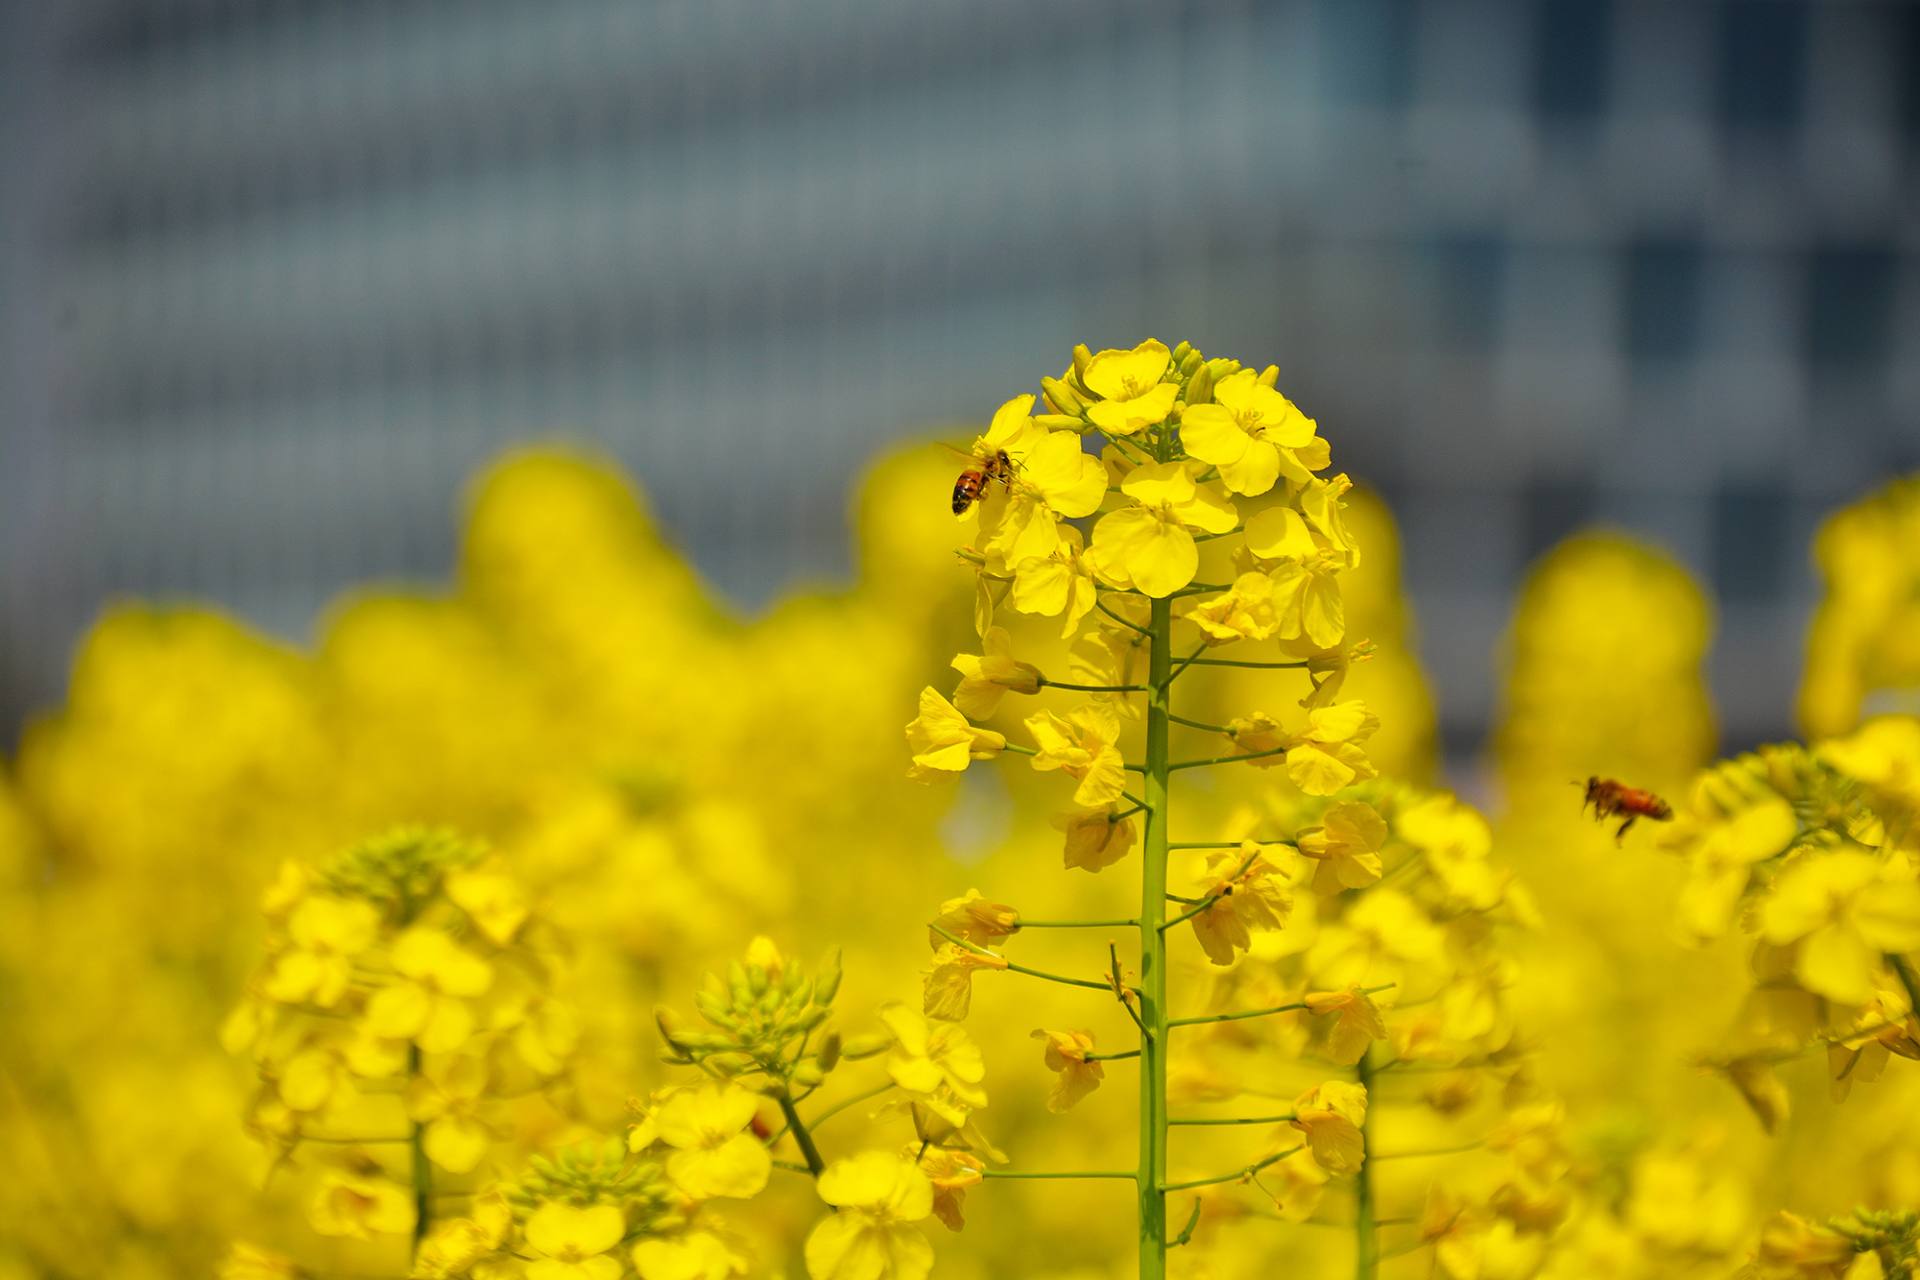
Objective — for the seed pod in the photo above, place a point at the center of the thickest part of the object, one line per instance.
(829, 1053)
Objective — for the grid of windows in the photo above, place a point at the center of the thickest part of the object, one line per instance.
(280, 273)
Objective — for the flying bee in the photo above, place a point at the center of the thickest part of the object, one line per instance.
(973, 482)
(1609, 797)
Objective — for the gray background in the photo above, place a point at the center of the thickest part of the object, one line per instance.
(276, 275)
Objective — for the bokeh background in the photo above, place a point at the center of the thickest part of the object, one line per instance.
(276, 276)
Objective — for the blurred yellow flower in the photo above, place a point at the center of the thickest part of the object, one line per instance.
(879, 1196)
(327, 933)
(445, 1098)
(1846, 911)
(1356, 1026)
(1330, 1115)
(715, 1152)
(428, 1005)
(1345, 847)
(936, 1062)
(697, 1255)
(573, 1241)
(1066, 1054)
(350, 1202)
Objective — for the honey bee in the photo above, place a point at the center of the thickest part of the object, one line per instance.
(974, 480)
(1609, 797)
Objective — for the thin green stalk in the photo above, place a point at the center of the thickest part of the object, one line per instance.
(1279, 1119)
(1234, 1176)
(803, 1139)
(1020, 968)
(1236, 758)
(1366, 1238)
(1078, 924)
(1198, 1019)
(1113, 1057)
(1153, 954)
(1904, 972)
(1242, 662)
(1045, 683)
(422, 1169)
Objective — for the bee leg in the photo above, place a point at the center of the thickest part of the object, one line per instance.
(1621, 834)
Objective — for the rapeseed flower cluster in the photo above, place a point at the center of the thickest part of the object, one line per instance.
(1181, 521)
(651, 781)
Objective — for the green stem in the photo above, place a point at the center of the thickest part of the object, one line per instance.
(1125, 622)
(1366, 1239)
(1113, 1057)
(422, 1170)
(834, 1110)
(801, 1138)
(1236, 758)
(1234, 1176)
(1261, 1013)
(1198, 724)
(1241, 662)
(1279, 1119)
(1020, 968)
(1078, 924)
(1904, 972)
(1153, 953)
(1045, 683)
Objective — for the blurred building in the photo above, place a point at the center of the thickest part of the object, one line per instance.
(275, 275)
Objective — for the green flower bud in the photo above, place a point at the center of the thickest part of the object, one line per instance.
(828, 984)
(865, 1046)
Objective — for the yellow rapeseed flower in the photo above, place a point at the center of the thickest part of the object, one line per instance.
(1066, 1054)
(360, 1204)
(1148, 545)
(573, 1241)
(1247, 893)
(428, 1004)
(935, 1062)
(1246, 432)
(327, 933)
(697, 1255)
(1330, 1115)
(1845, 911)
(879, 1196)
(948, 989)
(975, 919)
(943, 742)
(1357, 1025)
(1346, 847)
(987, 678)
(1133, 397)
(1083, 745)
(715, 1152)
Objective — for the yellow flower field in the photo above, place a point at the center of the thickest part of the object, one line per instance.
(1071, 895)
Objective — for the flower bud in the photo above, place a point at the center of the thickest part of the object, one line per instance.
(827, 985)
(1061, 397)
(866, 1046)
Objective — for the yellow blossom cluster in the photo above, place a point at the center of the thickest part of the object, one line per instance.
(1863, 648)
